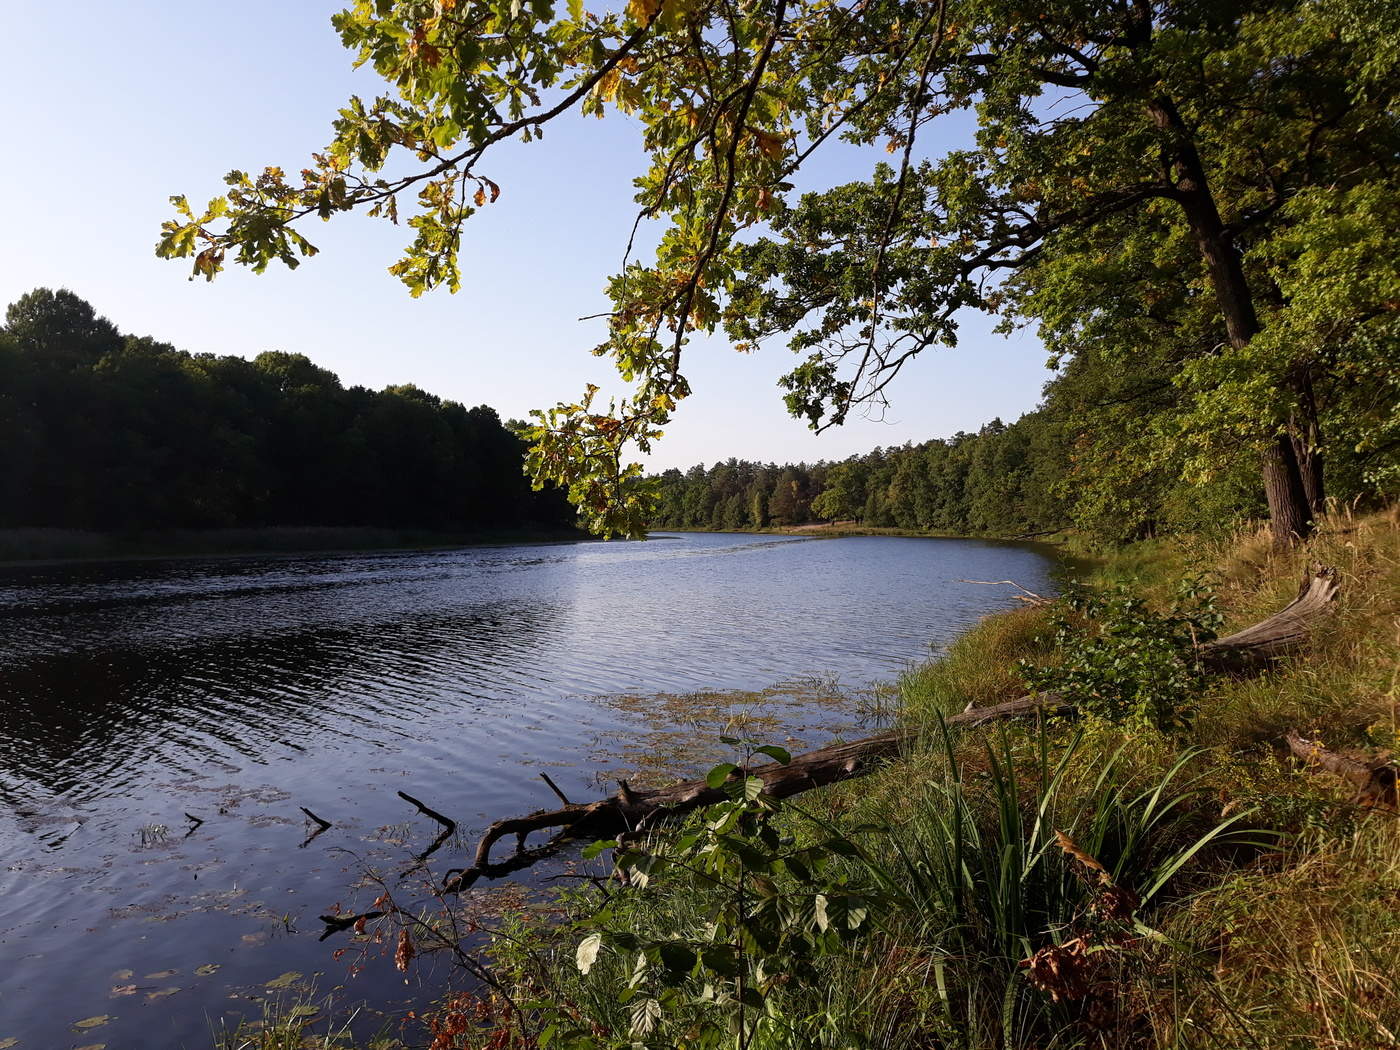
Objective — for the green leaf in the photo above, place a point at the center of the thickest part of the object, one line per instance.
(594, 849)
(721, 773)
(773, 751)
(677, 958)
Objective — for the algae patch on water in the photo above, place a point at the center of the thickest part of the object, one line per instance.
(670, 736)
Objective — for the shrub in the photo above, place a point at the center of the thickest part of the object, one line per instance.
(1126, 664)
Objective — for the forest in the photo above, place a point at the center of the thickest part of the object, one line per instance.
(1104, 455)
(106, 431)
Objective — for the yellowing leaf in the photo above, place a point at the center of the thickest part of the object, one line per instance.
(587, 952)
(643, 10)
(92, 1022)
(285, 981)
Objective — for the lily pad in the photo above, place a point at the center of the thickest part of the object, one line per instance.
(5, 1044)
(123, 975)
(285, 981)
(207, 969)
(94, 1046)
(304, 1010)
(159, 994)
(161, 975)
(122, 989)
(92, 1022)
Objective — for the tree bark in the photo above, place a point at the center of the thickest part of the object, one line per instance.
(1289, 516)
(1286, 631)
(1307, 447)
(1375, 782)
(1289, 513)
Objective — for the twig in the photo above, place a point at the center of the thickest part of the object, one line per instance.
(336, 923)
(555, 788)
(1030, 596)
(321, 826)
(428, 811)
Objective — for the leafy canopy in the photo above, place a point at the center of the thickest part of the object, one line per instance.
(1085, 109)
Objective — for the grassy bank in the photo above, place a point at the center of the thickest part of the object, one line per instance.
(57, 545)
(1156, 873)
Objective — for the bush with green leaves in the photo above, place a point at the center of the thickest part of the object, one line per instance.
(769, 905)
(1126, 664)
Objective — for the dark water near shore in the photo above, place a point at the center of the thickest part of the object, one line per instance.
(239, 690)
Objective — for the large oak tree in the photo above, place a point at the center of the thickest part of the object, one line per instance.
(1184, 129)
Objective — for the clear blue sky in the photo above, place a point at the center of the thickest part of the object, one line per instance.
(111, 108)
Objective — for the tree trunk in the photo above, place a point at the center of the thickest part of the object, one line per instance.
(1290, 515)
(1307, 447)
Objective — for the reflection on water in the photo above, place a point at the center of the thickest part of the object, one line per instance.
(241, 689)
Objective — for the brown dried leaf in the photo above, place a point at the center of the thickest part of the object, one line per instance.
(405, 952)
(1067, 844)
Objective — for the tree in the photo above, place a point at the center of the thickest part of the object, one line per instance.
(1194, 124)
(101, 431)
(60, 328)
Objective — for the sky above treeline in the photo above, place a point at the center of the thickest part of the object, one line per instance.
(111, 108)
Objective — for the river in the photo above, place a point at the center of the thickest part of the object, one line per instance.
(238, 690)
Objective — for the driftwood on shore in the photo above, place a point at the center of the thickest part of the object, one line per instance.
(1280, 634)
(632, 811)
(1375, 782)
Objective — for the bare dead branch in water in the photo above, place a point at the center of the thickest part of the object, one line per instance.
(336, 923)
(321, 826)
(1027, 596)
(555, 788)
(631, 811)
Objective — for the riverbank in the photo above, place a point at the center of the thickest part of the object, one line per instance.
(842, 529)
(34, 546)
(1160, 872)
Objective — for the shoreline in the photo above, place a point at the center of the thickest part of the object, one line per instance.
(839, 530)
(25, 548)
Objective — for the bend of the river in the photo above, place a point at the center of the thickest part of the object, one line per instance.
(239, 690)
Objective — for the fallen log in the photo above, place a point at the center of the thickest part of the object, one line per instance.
(1375, 782)
(632, 811)
(1284, 632)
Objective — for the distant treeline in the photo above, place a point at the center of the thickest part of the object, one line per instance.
(999, 480)
(1104, 453)
(112, 432)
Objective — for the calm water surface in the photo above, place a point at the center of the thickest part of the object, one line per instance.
(239, 690)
